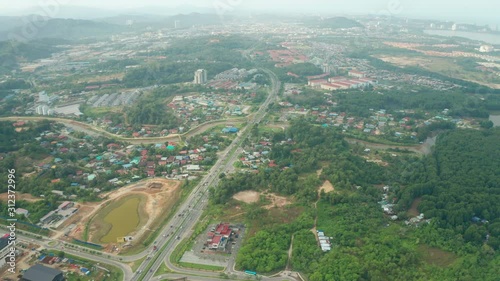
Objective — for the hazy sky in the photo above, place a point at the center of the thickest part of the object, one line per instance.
(480, 11)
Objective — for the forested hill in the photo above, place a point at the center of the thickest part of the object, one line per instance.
(456, 188)
(62, 29)
(461, 189)
(13, 52)
(460, 185)
(469, 158)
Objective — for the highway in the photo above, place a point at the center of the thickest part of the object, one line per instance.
(182, 224)
(190, 212)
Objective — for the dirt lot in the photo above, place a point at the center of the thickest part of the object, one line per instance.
(247, 196)
(276, 201)
(254, 197)
(158, 204)
(327, 187)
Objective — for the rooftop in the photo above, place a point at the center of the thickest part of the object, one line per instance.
(39, 272)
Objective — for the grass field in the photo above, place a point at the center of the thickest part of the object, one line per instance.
(435, 256)
(236, 212)
(123, 219)
(177, 198)
(135, 265)
(201, 266)
(116, 215)
(162, 270)
(99, 111)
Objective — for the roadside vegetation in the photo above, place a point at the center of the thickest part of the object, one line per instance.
(367, 244)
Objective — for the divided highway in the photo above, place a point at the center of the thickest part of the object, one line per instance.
(182, 224)
(190, 212)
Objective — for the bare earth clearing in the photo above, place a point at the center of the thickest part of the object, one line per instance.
(159, 201)
(327, 187)
(247, 196)
(254, 197)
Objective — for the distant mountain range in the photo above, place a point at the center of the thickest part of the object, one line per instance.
(37, 27)
(333, 23)
(182, 20)
(88, 13)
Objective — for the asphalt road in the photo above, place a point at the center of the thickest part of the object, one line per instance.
(182, 224)
(195, 203)
(94, 130)
(60, 246)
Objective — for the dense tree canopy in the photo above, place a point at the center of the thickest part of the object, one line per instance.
(150, 112)
(458, 185)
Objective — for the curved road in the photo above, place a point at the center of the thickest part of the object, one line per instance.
(183, 222)
(90, 129)
(192, 209)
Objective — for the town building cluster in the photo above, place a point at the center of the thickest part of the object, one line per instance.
(357, 80)
(324, 241)
(218, 237)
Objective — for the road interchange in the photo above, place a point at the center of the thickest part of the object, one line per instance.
(183, 222)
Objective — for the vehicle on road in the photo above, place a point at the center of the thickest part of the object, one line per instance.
(251, 272)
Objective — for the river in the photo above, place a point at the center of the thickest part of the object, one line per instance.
(495, 119)
(485, 37)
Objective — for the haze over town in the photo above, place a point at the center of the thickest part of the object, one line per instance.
(479, 12)
(212, 140)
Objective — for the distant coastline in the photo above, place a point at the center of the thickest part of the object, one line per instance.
(490, 38)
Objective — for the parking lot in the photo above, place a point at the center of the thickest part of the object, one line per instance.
(201, 254)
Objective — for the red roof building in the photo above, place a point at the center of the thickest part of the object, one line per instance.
(151, 173)
(214, 242)
(223, 229)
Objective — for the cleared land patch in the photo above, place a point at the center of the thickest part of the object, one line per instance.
(436, 256)
(247, 196)
(327, 187)
(120, 207)
(117, 219)
(250, 197)
(123, 219)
